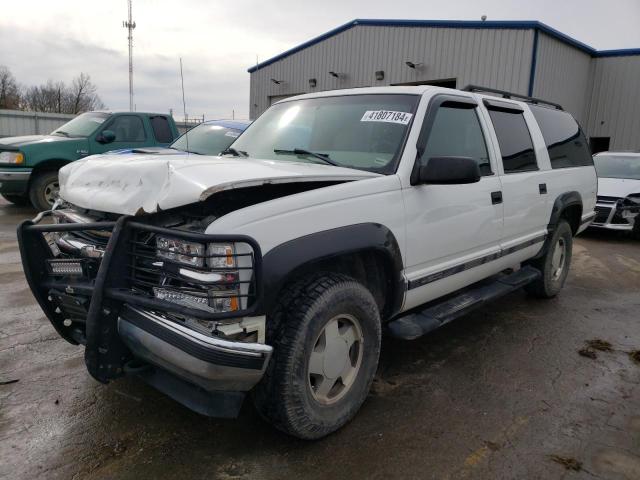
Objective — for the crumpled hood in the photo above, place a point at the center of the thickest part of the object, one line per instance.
(132, 184)
(617, 187)
(26, 140)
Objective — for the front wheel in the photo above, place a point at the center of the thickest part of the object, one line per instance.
(326, 338)
(554, 265)
(43, 191)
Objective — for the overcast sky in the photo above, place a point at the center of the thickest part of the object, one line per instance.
(219, 40)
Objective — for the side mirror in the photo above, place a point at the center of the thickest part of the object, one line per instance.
(449, 171)
(107, 136)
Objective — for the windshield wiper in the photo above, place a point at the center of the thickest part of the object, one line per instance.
(61, 132)
(234, 152)
(299, 151)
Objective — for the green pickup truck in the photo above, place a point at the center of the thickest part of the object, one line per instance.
(29, 165)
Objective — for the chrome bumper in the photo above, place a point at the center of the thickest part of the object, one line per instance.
(211, 363)
(11, 176)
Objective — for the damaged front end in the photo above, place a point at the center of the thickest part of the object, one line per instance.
(154, 297)
(618, 213)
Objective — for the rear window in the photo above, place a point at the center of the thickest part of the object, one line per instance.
(514, 139)
(161, 129)
(563, 137)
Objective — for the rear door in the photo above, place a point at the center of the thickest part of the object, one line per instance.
(453, 231)
(524, 190)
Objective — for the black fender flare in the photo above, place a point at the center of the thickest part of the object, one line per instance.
(281, 262)
(561, 203)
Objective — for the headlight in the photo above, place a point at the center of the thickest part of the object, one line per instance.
(216, 290)
(218, 255)
(16, 158)
(180, 251)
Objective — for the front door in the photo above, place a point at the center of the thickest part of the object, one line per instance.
(129, 131)
(453, 231)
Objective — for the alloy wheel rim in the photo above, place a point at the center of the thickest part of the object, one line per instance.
(335, 359)
(51, 192)
(558, 259)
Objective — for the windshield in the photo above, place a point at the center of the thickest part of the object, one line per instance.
(366, 132)
(82, 126)
(206, 139)
(617, 166)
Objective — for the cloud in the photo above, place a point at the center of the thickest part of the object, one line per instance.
(218, 41)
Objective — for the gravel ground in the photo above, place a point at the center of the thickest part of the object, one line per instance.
(500, 393)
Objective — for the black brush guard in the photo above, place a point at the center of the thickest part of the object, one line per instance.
(105, 353)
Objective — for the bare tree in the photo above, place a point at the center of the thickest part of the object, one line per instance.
(50, 97)
(9, 90)
(82, 96)
(57, 97)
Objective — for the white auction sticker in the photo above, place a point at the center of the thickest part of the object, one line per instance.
(389, 116)
(232, 134)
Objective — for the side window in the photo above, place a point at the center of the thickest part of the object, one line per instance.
(128, 128)
(161, 129)
(563, 137)
(514, 139)
(456, 132)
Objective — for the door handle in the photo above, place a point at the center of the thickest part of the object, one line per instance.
(496, 197)
(543, 188)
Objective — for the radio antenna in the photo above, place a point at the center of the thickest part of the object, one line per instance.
(184, 108)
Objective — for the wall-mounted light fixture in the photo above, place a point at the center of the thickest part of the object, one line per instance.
(380, 75)
(312, 83)
(334, 74)
(413, 65)
(277, 82)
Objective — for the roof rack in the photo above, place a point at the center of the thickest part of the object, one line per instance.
(516, 96)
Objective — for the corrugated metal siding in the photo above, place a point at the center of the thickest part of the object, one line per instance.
(498, 58)
(614, 103)
(562, 75)
(14, 123)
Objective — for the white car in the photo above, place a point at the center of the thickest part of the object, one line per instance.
(618, 206)
(275, 268)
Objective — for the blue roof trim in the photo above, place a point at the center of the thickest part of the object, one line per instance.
(489, 24)
(622, 52)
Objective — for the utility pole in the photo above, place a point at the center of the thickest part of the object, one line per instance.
(130, 25)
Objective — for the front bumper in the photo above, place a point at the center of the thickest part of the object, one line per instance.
(209, 362)
(114, 322)
(608, 216)
(14, 181)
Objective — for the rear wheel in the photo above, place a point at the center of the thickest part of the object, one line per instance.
(326, 339)
(19, 200)
(43, 191)
(554, 265)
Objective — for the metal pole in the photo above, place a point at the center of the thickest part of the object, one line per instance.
(130, 25)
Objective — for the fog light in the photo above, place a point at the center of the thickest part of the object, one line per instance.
(216, 302)
(66, 267)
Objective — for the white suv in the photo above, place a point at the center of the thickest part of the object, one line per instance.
(276, 267)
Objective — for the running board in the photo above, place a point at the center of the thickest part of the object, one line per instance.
(415, 325)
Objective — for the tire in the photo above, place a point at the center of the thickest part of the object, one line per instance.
(43, 189)
(19, 200)
(314, 316)
(554, 265)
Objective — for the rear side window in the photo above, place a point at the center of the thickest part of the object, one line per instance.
(161, 129)
(563, 137)
(456, 132)
(514, 139)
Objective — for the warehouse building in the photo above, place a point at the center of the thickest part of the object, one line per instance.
(600, 88)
